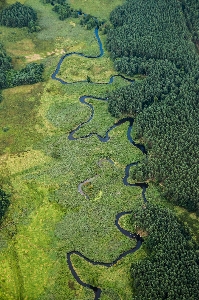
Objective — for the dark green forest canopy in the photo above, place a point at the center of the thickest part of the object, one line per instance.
(4, 203)
(191, 12)
(151, 38)
(17, 15)
(62, 8)
(65, 11)
(170, 130)
(5, 65)
(171, 269)
(32, 73)
(9, 77)
(144, 34)
(151, 29)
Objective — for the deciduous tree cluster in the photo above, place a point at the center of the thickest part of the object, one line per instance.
(65, 11)
(17, 15)
(90, 21)
(32, 73)
(9, 77)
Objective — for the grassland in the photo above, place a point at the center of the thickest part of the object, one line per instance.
(18, 127)
(76, 68)
(55, 38)
(41, 168)
(97, 8)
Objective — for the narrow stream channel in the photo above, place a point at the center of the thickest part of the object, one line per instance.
(97, 291)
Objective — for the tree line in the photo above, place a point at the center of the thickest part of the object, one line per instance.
(154, 41)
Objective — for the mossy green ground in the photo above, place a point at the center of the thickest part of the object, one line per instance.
(41, 169)
(97, 8)
(76, 68)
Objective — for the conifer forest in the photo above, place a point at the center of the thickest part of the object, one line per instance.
(99, 149)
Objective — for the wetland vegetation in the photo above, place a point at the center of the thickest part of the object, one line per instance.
(43, 216)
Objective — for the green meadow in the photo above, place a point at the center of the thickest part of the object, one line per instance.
(41, 169)
(77, 68)
(97, 8)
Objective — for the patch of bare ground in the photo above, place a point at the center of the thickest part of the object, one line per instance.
(33, 57)
(141, 232)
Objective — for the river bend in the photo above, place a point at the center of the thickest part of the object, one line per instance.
(97, 291)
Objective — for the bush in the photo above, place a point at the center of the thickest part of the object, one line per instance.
(32, 73)
(17, 15)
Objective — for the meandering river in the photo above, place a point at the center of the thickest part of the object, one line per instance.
(97, 291)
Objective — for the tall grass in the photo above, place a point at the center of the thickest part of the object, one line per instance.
(41, 169)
